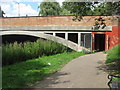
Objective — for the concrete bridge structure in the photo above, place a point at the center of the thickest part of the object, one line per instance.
(77, 35)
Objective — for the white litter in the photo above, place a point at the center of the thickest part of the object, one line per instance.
(49, 63)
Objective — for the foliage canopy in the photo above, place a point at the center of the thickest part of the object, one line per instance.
(49, 8)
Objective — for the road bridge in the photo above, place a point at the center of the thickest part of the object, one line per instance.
(77, 35)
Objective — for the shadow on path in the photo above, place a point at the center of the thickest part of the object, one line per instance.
(51, 80)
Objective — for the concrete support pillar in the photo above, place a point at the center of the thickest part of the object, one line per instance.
(84, 40)
(106, 44)
(79, 38)
(91, 41)
(79, 42)
(66, 36)
(54, 34)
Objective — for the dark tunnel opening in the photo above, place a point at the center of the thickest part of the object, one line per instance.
(18, 38)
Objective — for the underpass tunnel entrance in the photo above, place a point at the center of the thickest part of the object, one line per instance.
(18, 38)
(99, 42)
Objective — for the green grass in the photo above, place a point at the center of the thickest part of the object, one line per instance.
(113, 55)
(113, 60)
(28, 72)
(116, 79)
(17, 52)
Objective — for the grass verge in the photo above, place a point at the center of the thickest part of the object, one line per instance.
(113, 55)
(113, 61)
(28, 72)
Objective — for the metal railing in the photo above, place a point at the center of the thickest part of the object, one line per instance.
(114, 85)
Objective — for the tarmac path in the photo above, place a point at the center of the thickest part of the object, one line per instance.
(82, 72)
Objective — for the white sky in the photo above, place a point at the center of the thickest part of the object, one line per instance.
(25, 8)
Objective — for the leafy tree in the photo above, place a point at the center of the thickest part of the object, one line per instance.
(107, 8)
(92, 8)
(48, 8)
(79, 9)
(1, 12)
(65, 12)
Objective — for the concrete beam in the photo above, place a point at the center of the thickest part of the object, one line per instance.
(54, 28)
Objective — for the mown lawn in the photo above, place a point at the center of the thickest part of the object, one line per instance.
(28, 72)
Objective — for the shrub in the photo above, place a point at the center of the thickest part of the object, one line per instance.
(17, 52)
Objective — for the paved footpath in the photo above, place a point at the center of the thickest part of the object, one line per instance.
(83, 72)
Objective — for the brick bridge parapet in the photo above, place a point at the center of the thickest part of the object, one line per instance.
(53, 23)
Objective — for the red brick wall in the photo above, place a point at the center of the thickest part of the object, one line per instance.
(51, 20)
(114, 36)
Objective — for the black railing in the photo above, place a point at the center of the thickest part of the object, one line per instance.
(114, 85)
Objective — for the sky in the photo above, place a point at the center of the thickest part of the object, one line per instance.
(14, 8)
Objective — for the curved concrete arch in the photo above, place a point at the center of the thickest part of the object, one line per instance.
(62, 41)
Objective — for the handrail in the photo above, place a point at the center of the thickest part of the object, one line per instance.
(111, 76)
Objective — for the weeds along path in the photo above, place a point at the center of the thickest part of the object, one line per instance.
(83, 72)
